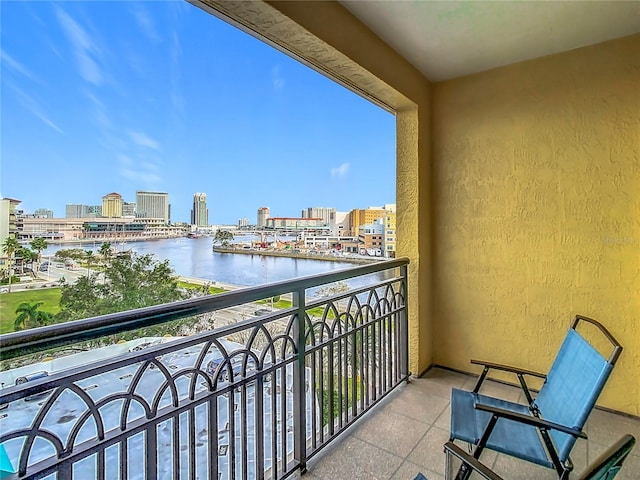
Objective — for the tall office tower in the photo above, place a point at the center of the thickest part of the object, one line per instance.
(128, 209)
(112, 205)
(263, 215)
(152, 205)
(43, 213)
(243, 222)
(75, 210)
(200, 212)
(325, 213)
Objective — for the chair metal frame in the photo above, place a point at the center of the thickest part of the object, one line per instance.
(534, 419)
(611, 459)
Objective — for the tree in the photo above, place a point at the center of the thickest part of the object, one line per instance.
(106, 252)
(89, 258)
(26, 255)
(9, 247)
(332, 289)
(30, 316)
(223, 237)
(130, 281)
(37, 245)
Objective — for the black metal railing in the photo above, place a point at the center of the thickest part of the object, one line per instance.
(251, 399)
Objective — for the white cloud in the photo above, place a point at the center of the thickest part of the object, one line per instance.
(16, 66)
(341, 171)
(84, 49)
(144, 140)
(145, 23)
(142, 174)
(276, 78)
(33, 106)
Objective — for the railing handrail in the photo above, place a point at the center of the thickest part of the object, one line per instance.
(36, 339)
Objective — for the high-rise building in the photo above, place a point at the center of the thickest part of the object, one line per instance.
(327, 214)
(243, 222)
(152, 205)
(112, 205)
(360, 217)
(200, 212)
(43, 213)
(76, 210)
(128, 209)
(263, 215)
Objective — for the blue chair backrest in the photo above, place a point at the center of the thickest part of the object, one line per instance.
(576, 378)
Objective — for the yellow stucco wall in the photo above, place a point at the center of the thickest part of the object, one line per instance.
(537, 210)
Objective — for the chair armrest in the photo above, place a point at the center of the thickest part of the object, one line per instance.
(507, 368)
(520, 373)
(529, 420)
(470, 461)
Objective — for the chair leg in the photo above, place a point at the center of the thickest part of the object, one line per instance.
(464, 472)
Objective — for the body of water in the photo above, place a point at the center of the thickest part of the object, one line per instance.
(194, 257)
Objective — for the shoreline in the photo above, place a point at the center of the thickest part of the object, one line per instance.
(305, 256)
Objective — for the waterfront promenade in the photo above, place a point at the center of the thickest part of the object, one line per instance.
(350, 258)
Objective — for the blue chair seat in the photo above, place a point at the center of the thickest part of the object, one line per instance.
(469, 424)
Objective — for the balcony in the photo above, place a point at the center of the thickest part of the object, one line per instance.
(404, 435)
(162, 408)
(252, 399)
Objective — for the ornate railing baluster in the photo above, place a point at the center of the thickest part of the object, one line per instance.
(254, 399)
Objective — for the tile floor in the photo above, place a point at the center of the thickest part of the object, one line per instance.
(405, 434)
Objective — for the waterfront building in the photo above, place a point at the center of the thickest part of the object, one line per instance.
(200, 212)
(315, 225)
(371, 238)
(358, 217)
(326, 213)
(9, 224)
(76, 210)
(330, 242)
(112, 205)
(128, 209)
(43, 213)
(98, 229)
(263, 216)
(340, 224)
(389, 240)
(243, 222)
(153, 205)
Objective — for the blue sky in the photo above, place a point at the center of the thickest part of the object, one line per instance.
(98, 97)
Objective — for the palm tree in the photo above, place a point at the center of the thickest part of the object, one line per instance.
(30, 316)
(105, 251)
(39, 244)
(89, 258)
(9, 247)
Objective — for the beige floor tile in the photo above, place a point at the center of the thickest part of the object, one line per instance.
(605, 428)
(444, 420)
(392, 432)
(416, 401)
(408, 471)
(354, 459)
(429, 452)
(440, 382)
(515, 469)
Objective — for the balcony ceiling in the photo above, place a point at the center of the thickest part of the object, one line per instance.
(449, 39)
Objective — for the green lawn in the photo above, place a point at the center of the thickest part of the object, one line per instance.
(10, 301)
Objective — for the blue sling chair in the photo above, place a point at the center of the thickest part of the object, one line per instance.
(545, 430)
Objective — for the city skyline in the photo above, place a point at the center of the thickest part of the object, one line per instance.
(92, 105)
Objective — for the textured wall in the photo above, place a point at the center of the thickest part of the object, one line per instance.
(537, 210)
